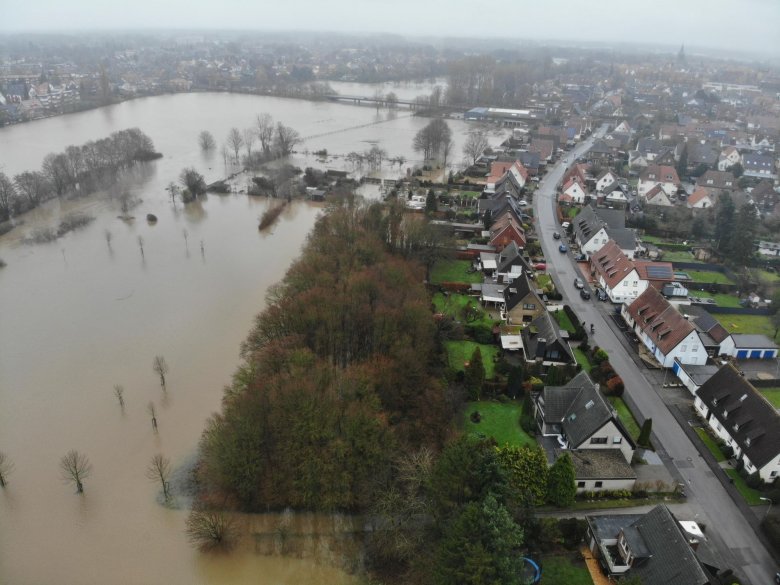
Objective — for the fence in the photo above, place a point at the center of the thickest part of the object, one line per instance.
(736, 310)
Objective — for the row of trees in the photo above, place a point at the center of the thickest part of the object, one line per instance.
(336, 377)
(273, 141)
(84, 168)
(434, 139)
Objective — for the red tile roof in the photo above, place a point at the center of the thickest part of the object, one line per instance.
(659, 320)
(611, 264)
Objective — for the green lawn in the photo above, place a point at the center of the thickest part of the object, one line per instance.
(625, 416)
(459, 352)
(542, 280)
(707, 439)
(453, 305)
(454, 271)
(582, 359)
(573, 211)
(652, 239)
(564, 321)
(751, 496)
(771, 394)
(766, 275)
(499, 420)
(679, 256)
(759, 324)
(723, 300)
(708, 276)
(560, 570)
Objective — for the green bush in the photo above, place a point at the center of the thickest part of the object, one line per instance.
(599, 355)
(479, 332)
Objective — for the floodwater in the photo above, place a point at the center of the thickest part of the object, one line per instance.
(78, 316)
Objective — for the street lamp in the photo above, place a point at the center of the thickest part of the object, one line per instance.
(770, 505)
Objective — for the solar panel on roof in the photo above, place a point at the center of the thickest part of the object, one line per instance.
(659, 272)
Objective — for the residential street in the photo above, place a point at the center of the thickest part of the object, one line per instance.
(708, 501)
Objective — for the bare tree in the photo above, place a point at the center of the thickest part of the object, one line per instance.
(173, 190)
(109, 237)
(159, 365)
(141, 245)
(265, 132)
(392, 100)
(159, 469)
(7, 197)
(209, 530)
(249, 135)
(186, 235)
(32, 185)
(475, 145)
(235, 141)
(206, 140)
(286, 139)
(119, 392)
(75, 468)
(6, 467)
(446, 150)
(152, 413)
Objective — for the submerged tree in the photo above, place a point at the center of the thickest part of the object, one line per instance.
(160, 368)
(75, 468)
(159, 469)
(194, 183)
(206, 140)
(210, 530)
(119, 392)
(6, 467)
(235, 141)
(152, 413)
(475, 145)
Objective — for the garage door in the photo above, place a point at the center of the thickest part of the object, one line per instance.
(755, 354)
(769, 354)
(742, 354)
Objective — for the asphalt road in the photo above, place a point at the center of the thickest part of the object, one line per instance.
(708, 501)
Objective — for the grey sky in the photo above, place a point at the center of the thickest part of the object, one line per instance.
(747, 25)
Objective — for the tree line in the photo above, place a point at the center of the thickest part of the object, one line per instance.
(78, 168)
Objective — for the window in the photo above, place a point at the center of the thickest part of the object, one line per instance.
(684, 348)
(695, 348)
(599, 484)
(529, 307)
(580, 484)
(598, 441)
(773, 474)
(617, 440)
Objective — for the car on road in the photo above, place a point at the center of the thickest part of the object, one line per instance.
(556, 236)
(522, 203)
(563, 248)
(585, 294)
(578, 283)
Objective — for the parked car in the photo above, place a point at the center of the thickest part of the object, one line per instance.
(601, 294)
(522, 202)
(563, 248)
(540, 266)
(556, 236)
(585, 294)
(580, 258)
(578, 283)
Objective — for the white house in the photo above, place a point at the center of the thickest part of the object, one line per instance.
(623, 128)
(604, 179)
(653, 175)
(663, 330)
(739, 415)
(657, 196)
(616, 274)
(573, 191)
(729, 156)
(700, 199)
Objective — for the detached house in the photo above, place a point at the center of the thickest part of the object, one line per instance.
(594, 228)
(717, 182)
(506, 230)
(604, 179)
(729, 156)
(738, 414)
(759, 165)
(616, 274)
(663, 175)
(654, 547)
(663, 330)
(544, 342)
(573, 191)
(700, 199)
(578, 417)
(657, 196)
(522, 304)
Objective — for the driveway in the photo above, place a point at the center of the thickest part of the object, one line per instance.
(708, 501)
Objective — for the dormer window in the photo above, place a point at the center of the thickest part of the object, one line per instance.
(747, 442)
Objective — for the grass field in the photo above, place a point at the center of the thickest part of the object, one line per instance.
(560, 570)
(722, 299)
(679, 256)
(459, 352)
(652, 239)
(771, 394)
(759, 324)
(625, 416)
(582, 359)
(766, 275)
(453, 305)
(454, 271)
(708, 276)
(564, 321)
(542, 280)
(751, 496)
(499, 420)
(707, 439)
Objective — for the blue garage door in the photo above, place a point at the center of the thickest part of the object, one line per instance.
(755, 354)
(742, 354)
(769, 354)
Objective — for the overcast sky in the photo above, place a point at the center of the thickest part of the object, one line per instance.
(747, 25)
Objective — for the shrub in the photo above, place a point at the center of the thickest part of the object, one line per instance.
(754, 481)
(572, 531)
(599, 355)
(615, 386)
(475, 417)
(480, 333)
(536, 384)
